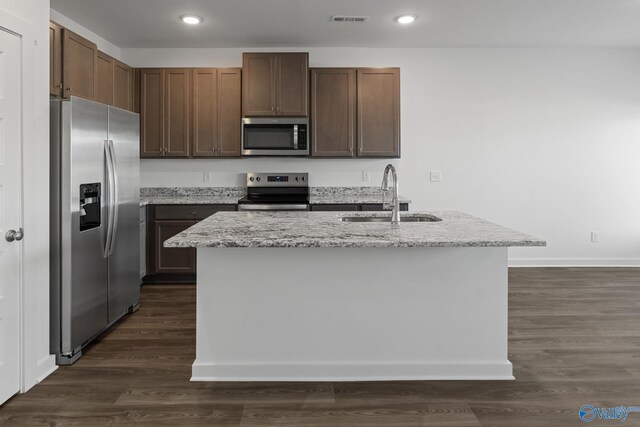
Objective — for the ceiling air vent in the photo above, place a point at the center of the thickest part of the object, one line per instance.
(342, 18)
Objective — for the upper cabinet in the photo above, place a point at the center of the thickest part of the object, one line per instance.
(152, 112)
(378, 112)
(55, 60)
(123, 85)
(79, 66)
(177, 97)
(216, 112)
(333, 112)
(275, 84)
(104, 80)
(190, 112)
(355, 112)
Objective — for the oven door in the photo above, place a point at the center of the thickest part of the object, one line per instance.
(274, 137)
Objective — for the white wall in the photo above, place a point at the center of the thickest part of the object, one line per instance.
(542, 140)
(30, 19)
(103, 44)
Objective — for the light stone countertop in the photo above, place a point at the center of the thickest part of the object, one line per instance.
(231, 195)
(324, 229)
(191, 195)
(189, 200)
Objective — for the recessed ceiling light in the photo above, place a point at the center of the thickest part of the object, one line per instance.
(405, 19)
(191, 19)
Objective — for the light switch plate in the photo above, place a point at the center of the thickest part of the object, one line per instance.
(366, 176)
(435, 176)
(206, 177)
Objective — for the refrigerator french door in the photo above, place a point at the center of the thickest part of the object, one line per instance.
(94, 221)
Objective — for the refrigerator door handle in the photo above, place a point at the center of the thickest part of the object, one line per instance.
(116, 198)
(109, 190)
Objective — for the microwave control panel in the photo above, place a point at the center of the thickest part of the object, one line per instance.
(302, 137)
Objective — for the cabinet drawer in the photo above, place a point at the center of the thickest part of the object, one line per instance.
(334, 207)
(196, 212)
(378, 207)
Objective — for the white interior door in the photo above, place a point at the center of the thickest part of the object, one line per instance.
(10, 214)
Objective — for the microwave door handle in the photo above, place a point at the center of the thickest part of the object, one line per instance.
(295, 137)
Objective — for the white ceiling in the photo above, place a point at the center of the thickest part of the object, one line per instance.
(300, 23)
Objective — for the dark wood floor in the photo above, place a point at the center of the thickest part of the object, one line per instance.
(574, 340)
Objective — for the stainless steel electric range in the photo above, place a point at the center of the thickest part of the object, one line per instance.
(276, 192)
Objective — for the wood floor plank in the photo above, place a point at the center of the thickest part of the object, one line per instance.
(574, 339)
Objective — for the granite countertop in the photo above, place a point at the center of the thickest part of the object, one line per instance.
(324, 229)
(347, 195)
(189, 200)
(231, 195)
(191, 195)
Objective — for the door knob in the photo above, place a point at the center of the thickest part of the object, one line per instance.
(14, 235)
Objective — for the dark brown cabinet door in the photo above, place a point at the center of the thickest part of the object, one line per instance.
(104, 79)
(172, 260)
(151, 112)
(176, 106)
(205, 112)
(55, 60)
(122, 85)
(333, 112)
(292, 71)
(216, 112)
(136, 90)
(229, 111)
(79, 64)
(378, 103)
(258, 84)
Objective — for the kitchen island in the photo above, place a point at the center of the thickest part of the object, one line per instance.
(308, 296)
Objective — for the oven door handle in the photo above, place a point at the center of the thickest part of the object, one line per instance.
(272, 207)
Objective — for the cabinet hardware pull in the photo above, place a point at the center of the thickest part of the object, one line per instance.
(59, 86)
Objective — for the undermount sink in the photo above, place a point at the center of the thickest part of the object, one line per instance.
(413, 218)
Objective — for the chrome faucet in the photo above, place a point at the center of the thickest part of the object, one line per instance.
(395, 202)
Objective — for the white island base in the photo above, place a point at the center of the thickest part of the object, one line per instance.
(351, 314)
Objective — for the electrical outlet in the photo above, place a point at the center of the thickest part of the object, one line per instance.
(595, 237)
(435, 176)
(366, 176)
(206, 177)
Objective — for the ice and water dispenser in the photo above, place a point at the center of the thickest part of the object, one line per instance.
(89, 206)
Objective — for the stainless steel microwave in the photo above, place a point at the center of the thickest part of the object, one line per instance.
(281, 136)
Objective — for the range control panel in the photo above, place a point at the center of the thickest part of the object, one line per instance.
(277, 180)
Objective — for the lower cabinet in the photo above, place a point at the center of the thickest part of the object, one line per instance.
(143, 241)
(172, 260)
(173, 265)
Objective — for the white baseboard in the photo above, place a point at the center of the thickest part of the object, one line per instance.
(574, 262)
(351, 372)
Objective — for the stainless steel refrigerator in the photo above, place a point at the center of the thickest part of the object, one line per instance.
(95, 211)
